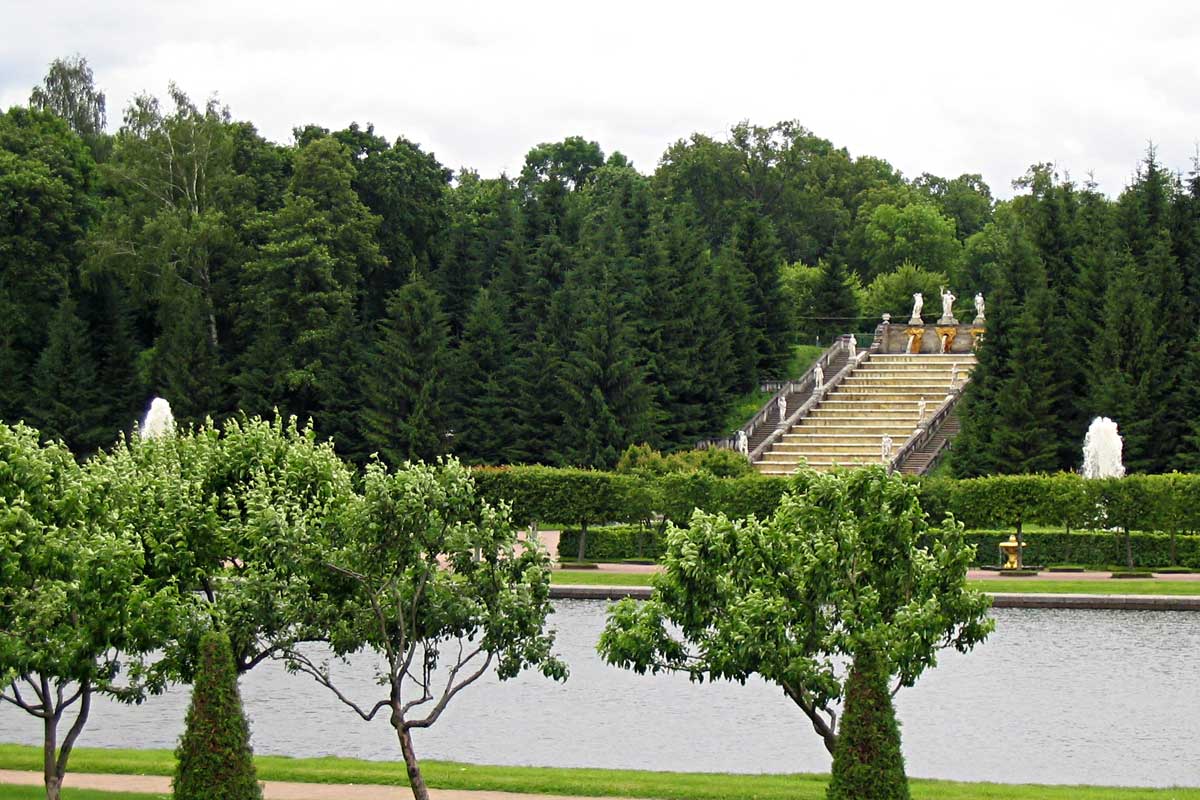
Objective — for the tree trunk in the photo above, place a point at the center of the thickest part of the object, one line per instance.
(1020, 547)
(419, 790)
(582, 540)
(1128, 549)
(49, 754)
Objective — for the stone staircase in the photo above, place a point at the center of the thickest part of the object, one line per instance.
(796, 399)
(879, 397)
(925, 457)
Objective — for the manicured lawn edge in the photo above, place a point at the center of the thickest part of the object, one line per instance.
(570, 782)
(993, 585)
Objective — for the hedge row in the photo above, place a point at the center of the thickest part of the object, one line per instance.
(1089, 548)
(614, 543)
(589, 498)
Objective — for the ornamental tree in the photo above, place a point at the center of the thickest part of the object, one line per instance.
(434, 580)
(77, 617)
(836, 574)
(230, 512)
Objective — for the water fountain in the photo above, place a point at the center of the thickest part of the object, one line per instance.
(1102, 450)
(159, 420)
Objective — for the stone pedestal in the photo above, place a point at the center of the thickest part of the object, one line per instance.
(947, 321)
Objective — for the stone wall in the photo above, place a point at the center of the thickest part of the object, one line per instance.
(895, 337)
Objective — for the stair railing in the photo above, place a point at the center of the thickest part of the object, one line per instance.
(861, 356)
(781, 389)
(926, 430)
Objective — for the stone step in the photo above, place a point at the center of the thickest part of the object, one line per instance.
(789, 451)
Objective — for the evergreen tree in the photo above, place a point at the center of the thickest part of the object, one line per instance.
(214, 760)
(755, 245)
(834, 304)
(66, 402)
(606, 402)
(187, 369)
(867, 761)
(482, 384)
(1007, 409)
(404, 415)
(1127, 368)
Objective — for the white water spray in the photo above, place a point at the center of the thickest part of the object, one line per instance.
(159, 420)
(1102, 450)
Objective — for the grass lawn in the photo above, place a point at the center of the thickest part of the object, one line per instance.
(542, 780)
(38, 793)
(999, 585)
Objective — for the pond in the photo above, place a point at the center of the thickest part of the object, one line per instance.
(1054, 696)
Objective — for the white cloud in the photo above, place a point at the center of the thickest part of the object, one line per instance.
(940, 87)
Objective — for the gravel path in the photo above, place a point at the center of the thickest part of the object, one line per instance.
(272, 790)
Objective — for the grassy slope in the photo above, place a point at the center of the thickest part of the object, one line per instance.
(746, 406)
(999, 585)
(578, 782)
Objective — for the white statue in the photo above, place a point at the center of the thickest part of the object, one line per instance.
(851, 348)
(781, 404)
(743, 443)
(918, 304)
(979, 308)
(885, 449)
(921, 407)
(953, 375)
(947, 304)
(818, 377)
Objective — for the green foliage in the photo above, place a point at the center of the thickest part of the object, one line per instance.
(867, 761)
(837, 570)
(79, 617)
(430, 574)
(891, 292)
(834, 308)
(233, 512)
(69, 91)
(405, 389)
(214, 760)
(645, 461)
(613, 543)
(585, 497)
(917, 233)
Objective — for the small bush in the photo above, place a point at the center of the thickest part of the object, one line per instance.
(214, 760)
(867, 761)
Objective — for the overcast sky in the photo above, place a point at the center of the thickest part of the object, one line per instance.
(941, 87)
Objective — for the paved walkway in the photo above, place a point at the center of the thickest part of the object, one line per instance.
(272, 790)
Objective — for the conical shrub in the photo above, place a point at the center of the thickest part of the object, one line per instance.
(214, 760)
(867, 762)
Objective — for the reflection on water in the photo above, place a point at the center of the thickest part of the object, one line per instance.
(1107, 697)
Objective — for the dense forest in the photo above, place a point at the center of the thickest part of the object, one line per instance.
(559, 315)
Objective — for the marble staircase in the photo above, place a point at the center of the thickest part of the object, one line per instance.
(880, 397)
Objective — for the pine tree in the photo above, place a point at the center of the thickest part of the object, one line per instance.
(404, 415)
(834, 303)
(606, 402)
(187, 368)
(66, 402)
(214, 760)
(867, 761)
(1127, 364)
(482, 384)
(1013, 384)
(755, 245)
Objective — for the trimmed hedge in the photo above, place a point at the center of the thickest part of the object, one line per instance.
(1091, 548)
(614, 543)
(1167, 503)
